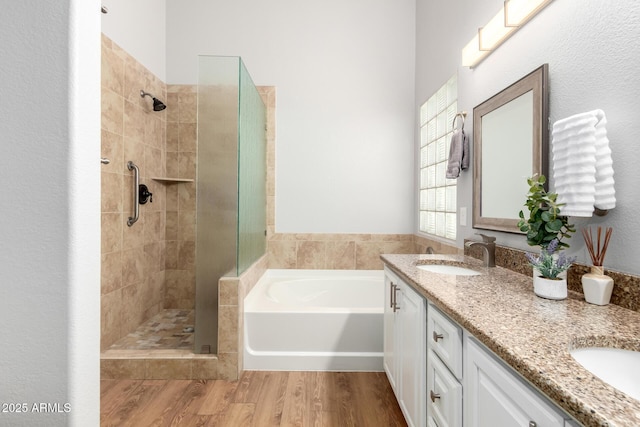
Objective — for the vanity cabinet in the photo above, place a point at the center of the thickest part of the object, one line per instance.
(495, 397)
(405, 347)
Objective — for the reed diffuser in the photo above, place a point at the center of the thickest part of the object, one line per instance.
(596, 285)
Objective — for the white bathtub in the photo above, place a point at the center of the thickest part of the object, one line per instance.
(315, 320)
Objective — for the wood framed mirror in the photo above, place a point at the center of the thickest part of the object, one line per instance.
(510, 144)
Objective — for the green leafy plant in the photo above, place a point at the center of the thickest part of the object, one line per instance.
(545, 222)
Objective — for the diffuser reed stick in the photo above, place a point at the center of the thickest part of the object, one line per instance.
(598, 253)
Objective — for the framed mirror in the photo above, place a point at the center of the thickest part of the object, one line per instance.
(510, 144)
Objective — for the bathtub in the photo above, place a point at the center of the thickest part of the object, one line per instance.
(315, 320)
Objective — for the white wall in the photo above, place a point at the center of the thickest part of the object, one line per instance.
(344, 73)
(593, 63)
(139, 27)
(50, 203)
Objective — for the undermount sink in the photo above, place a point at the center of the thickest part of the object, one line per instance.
(616, 367)
(448, 269)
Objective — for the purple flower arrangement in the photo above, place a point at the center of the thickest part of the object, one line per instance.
(548, 265)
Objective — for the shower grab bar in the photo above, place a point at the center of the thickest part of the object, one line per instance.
(136, 195)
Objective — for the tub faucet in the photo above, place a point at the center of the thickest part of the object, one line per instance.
(429, 250)
(489, 245)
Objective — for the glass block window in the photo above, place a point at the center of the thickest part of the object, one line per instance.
(438, 203)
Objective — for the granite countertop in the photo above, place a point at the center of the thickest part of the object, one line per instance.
(531, 334)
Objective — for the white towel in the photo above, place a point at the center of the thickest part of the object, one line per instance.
(458, 154)
(582, 165)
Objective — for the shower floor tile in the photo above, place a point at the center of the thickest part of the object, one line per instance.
(170, 329)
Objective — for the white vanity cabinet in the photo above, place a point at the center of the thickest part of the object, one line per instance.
(496, 397)
(405, 347)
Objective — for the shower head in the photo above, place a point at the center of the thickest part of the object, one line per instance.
(157, 104)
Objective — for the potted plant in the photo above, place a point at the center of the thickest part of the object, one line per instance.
(545, 223)
(545, 227)
(597, 286)
(549, 282)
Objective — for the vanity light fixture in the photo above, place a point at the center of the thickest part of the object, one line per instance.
(518, 12)
(514, 14)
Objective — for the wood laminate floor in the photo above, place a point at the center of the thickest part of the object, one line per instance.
(259, 398)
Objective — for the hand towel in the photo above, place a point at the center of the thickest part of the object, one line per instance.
(582, 164)
(458, 154)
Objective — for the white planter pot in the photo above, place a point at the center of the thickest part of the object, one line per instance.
(597, 287)
(549, 288)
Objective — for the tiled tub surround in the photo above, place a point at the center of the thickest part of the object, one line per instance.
(534, 335)
(343, 251)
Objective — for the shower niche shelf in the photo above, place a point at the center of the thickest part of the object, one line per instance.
(169, 180)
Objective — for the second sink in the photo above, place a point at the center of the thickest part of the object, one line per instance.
(617, 367)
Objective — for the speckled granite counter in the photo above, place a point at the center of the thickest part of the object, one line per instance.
(533, 335)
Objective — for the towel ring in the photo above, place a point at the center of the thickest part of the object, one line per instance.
(462, 115)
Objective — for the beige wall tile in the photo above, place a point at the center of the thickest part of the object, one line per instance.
(111, 272)
(368, 255)
(187, 197)
(187, 225)
(132, 307)
(117, 369)
(165, 369)
(188, 108)
(132, 266)
(112, 112)
(187, 165)
(188, 134)
(341, 255)
(172, 137)
(111, 232)
(134, 118)
(228, 366)
(171, 225)
(282, 254)
(186, 255)
(173, 109)
(111, 192)
(228, 328)
(112, 70)
(112, 147)
(111, 314)
(228, 291)
(204, 368)
(171, 256)
(311, 254)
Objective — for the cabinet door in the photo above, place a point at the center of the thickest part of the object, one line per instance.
(496, 397)
(390, 359)
(412, 330)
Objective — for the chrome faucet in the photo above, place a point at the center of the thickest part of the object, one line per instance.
(489, 245)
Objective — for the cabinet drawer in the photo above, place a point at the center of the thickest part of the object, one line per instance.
(444, 394)
(445, 339)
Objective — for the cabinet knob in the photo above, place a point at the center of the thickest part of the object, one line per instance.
(532, 424)
(435, 396)
(437, 336)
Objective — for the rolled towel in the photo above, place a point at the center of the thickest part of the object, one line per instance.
(582, 169)
(458, 154)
